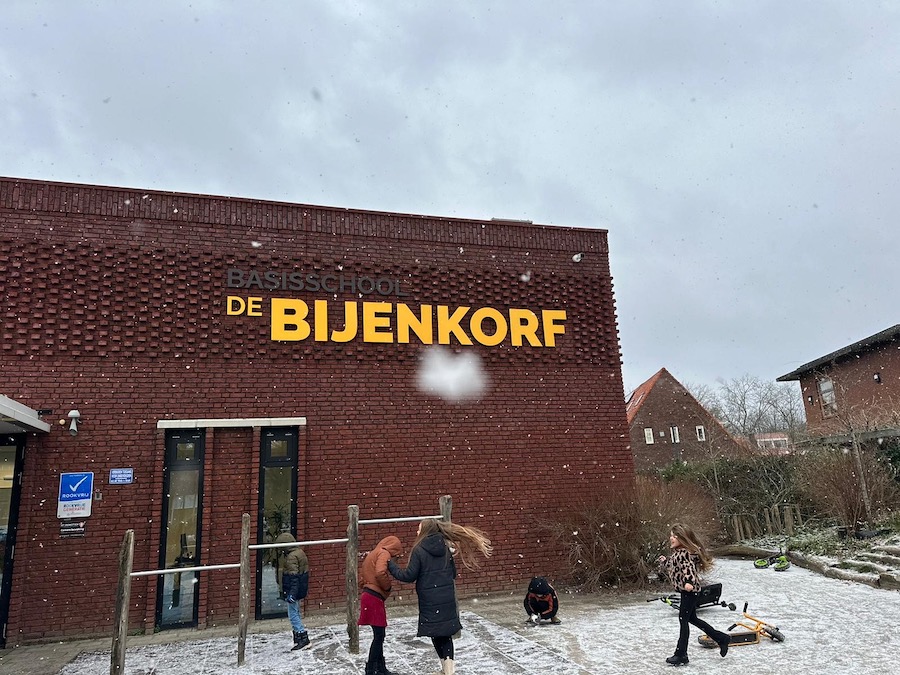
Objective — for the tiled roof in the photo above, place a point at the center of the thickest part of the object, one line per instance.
(886, 335)
(639, 395)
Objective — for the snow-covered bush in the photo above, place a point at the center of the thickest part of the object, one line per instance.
(831, 481)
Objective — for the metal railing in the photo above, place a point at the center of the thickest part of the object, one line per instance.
(126, 561)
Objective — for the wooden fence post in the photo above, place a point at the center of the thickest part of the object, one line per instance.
(789, 520)
(244, 602)
(770, 527)
(123, 601)
(352, 577)
(446, 504)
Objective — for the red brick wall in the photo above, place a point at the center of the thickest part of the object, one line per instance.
(860, 399)
(114, 304)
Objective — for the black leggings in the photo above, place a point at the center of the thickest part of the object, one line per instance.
(443, 646)
(376, 649)
(687, 614)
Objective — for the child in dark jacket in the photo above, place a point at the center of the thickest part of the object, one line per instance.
(294, 570)
(541, 602)
(432, 567)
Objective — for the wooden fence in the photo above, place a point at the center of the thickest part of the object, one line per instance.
(126, 560)
(779, 519)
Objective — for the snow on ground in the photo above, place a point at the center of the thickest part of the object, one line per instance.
(830, 626)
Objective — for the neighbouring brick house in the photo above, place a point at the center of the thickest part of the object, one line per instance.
(853, 389)
(229, 356)
(667, 424)
(772, 443)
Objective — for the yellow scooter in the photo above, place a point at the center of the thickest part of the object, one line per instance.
(754, 628)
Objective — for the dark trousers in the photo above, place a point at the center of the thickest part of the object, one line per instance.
(687, 614)
(443, 646)
(376, 649)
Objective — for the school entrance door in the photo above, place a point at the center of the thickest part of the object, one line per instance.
(12, 447)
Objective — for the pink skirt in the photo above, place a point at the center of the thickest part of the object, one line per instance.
(371, 610)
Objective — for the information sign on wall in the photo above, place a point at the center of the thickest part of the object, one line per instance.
(76, 491)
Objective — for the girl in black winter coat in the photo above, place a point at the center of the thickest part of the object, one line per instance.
(432, 567)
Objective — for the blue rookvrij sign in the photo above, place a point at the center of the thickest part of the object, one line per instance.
(76, 490)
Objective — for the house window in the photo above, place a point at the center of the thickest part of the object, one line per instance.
(676, 437)
(648, 435)
(701, 432)
(826, 396)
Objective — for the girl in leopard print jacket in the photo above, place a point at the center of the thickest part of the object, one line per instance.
(683, 567)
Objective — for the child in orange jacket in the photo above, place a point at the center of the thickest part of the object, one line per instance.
(375, 581)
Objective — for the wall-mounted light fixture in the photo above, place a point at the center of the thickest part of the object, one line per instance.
(578, 257)
(809, 399)
(74, 415)
(877, 377)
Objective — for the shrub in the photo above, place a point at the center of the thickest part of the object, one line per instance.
(614, 542)
(819, 541)
(746, 485)
(830, 479)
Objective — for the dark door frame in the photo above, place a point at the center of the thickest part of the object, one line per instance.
(292, 461)
(17, 440)
(171, 464)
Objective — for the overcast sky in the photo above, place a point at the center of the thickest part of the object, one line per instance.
(742, 155)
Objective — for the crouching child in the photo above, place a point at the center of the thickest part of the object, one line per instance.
(541, 602)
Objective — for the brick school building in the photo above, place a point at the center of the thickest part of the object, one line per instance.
(171, 361)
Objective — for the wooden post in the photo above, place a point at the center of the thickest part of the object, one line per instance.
(446, 504)
(857, 457)
(352, 577)
(769, 528)
(789, 520)
(123, 601)
(244, 602)
(775, 519)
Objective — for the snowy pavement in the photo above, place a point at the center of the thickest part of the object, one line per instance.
(830, 626)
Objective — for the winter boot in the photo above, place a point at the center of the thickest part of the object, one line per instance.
(676, 660)
(371, 668)
(448, 668)
(381, 669)
(301, 641)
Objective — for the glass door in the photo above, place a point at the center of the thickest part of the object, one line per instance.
(277, 514)
(12, 448)
(177, 593)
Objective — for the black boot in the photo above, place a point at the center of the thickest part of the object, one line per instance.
(301, 641)
(371, 668)
(723, 646)
(381, 669)
(676, 660)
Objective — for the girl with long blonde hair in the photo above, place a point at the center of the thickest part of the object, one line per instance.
(432, 567)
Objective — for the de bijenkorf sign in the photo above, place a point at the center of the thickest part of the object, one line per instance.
(76, 491)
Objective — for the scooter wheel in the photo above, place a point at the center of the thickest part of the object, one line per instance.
(773, 633)
(732, 606)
